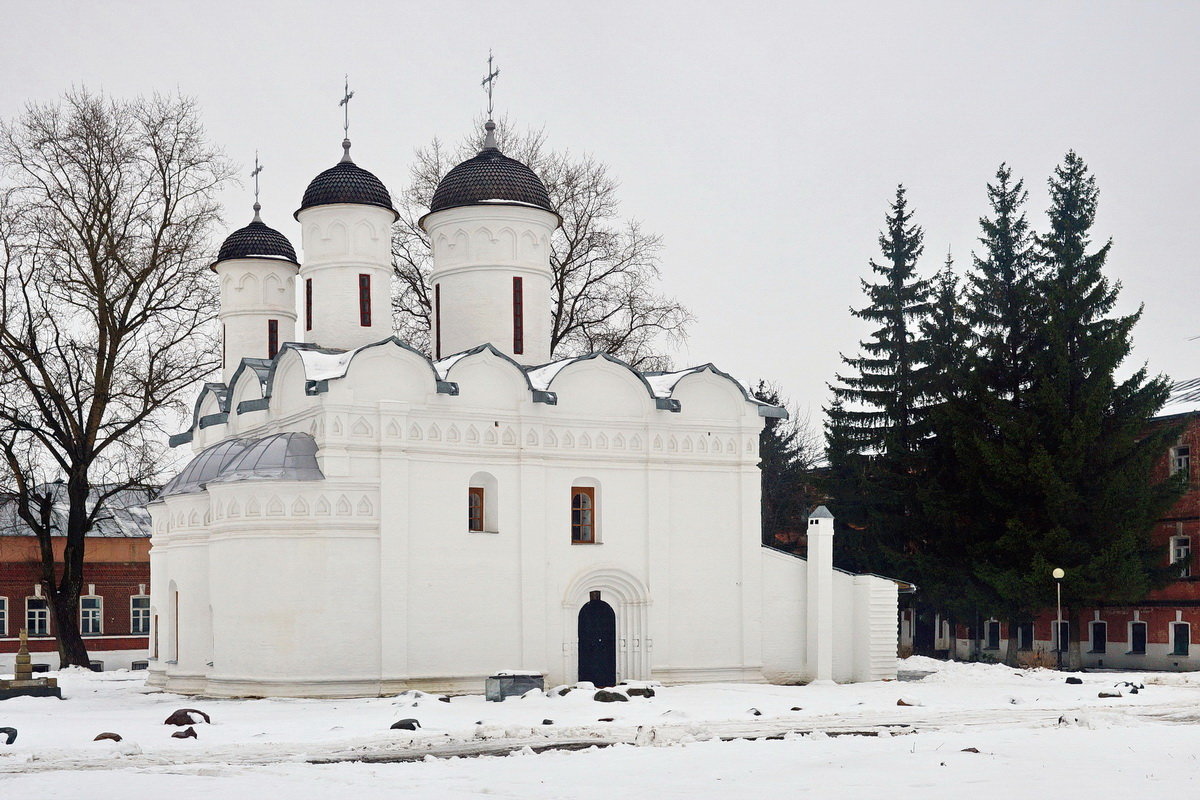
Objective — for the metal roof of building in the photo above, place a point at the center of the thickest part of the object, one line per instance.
(125, 516)
(290, 456)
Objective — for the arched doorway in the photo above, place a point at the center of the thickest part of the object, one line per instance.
(597, 642)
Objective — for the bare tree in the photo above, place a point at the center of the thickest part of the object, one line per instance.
(106, 208)
(606, 270)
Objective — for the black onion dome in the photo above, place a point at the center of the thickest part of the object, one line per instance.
(256, 240)
(490, 176)
(346, 182)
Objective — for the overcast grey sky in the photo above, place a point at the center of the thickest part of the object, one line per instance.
(762, 140)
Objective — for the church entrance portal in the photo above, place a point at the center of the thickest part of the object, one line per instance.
(597, 642)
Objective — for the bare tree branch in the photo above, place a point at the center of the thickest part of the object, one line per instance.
(106, 209)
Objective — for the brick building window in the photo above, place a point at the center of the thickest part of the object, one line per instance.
(3, 616)
(139, 614)
(91, 616)
(583, 515)
(37, 616)
(364, 300)
(1137, 638)
(1181, 460)
(1099, 637)
(1025, 636)
(1181, 554)
(475, 508)
(1064, 636)
(992, 632)
(1181, 637)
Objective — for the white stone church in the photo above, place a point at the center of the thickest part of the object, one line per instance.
(360, 519)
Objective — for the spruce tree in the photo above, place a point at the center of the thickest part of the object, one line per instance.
(992, 413)
(1082, 446)
(880, 405)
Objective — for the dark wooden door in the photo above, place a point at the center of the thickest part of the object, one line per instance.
(598, 643)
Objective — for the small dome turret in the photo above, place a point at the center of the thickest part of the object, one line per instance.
(490, 177)
(256, 240)
(346, 182)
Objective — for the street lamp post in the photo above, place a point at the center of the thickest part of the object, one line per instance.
(1058, 575)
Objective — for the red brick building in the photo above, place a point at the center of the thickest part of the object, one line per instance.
(1162, 631)
(114, 612)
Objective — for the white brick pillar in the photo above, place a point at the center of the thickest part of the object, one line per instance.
(819, 608)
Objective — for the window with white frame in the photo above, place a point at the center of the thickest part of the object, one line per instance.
(139, 614)
(37, 616)
(1064, 636)
(992, 635)
(3, 616)
(91, 610)
(1137, 638)
(1025, 636)
(1181, 460)
(1181, 554)
(1181, 637)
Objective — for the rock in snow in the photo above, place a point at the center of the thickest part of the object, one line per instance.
(187, 716)
(11, 733)
(187, 733)
(605, 696)
(107, 735)
(409, 724)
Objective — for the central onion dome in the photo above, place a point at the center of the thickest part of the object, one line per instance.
(346, 182)
(256, 240)
(490, 177)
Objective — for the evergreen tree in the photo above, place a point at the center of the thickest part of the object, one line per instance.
(787, 457)
(941, 552)
(1081, 450)
(887, 391)
(878, 424)
(991, 415)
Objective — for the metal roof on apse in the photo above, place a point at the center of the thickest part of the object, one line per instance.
(288, 456)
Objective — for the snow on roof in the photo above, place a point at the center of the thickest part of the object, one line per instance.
(541, 377)
(1184, 398)
(663, 383)
(443, 366)
(323, 366)
(125, 516)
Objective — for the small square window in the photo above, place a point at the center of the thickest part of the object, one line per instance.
(1181, 554)
(1181, 460)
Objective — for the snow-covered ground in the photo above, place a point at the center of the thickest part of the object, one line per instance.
(1033, 731)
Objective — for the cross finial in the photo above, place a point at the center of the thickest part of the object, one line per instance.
(257, 169)
(489, 82)
(345, 103)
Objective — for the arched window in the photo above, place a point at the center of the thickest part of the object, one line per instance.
(583, 515)
(475, 508)
(482, 507)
